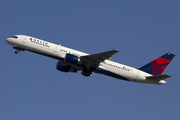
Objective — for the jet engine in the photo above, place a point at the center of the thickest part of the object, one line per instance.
(72, 59)
(64, 67)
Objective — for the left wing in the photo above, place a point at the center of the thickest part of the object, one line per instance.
(95, 59)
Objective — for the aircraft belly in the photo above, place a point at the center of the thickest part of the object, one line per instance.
(109, 73)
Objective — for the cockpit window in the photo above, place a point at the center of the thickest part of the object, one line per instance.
(14, 37)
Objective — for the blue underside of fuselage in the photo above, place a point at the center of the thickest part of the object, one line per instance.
(108, 73)
(96, 70)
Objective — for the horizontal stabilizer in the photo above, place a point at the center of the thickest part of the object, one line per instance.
(158, 77)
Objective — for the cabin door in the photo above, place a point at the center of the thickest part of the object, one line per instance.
(55, 49)
(24, 40)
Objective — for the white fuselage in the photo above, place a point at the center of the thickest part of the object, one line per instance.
(59, 52)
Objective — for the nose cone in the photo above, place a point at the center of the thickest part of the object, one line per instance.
(8, 40)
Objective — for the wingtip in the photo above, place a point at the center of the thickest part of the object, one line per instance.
(116, 50)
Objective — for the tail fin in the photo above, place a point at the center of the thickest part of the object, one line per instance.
(157, 66)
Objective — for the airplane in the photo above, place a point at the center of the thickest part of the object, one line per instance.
(70, 60)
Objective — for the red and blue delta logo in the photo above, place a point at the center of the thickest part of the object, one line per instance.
(159, 65)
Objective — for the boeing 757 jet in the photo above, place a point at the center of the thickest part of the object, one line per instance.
(70, 60)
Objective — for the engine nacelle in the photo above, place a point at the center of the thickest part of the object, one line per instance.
(64, 67)
(72, 58)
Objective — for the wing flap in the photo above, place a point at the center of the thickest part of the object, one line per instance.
(158, 77)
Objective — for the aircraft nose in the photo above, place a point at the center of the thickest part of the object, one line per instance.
(8, 40)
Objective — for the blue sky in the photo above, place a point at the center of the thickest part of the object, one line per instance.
(32, 89)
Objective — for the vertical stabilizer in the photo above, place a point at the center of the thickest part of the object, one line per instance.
(157, 66)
